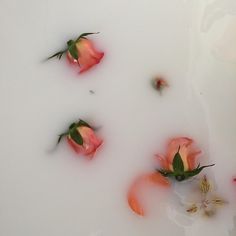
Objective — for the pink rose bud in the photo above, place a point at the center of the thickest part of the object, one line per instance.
(82, 138)
(88, 55)
(180, 160)
(187, 152)
(81, 52)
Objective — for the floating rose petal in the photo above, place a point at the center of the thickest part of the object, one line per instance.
(151, 178)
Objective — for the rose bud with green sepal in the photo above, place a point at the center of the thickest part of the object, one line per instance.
(81, 52)
(82, 138)
(180, 161)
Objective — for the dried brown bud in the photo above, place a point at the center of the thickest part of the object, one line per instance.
(159, 83)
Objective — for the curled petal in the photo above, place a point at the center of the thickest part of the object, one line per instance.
(150, 178)
(134, 203)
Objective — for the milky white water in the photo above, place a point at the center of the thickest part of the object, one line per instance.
(54, 193)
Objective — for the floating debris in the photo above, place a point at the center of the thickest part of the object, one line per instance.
(159, 83)
(208, 201)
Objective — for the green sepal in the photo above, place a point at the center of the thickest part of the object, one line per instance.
(84, 35)
(72, 49)
(70, 42)
(83, 123)
(196, 171)
(57, 55)
(74, 133)
(79, 124)
(61, 136)
(180, 176)
(72, 126)
(177, 163)
(76, 136)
